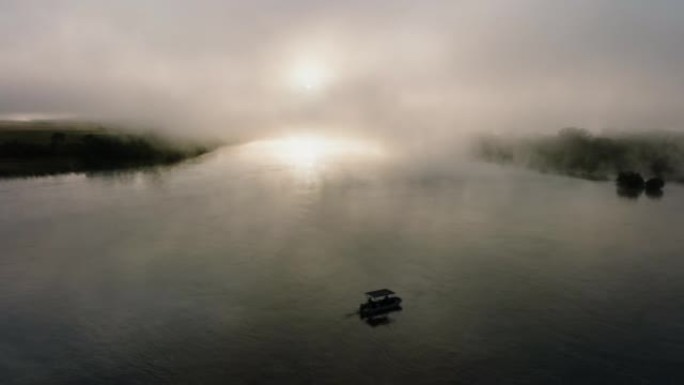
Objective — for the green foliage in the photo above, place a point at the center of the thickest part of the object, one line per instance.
(577, 152)
(36, 151)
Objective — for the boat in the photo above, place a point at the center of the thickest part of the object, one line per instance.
(379, 302)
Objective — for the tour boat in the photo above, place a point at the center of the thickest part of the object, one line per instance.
(379, 302)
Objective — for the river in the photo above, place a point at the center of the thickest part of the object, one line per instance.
(246, 266)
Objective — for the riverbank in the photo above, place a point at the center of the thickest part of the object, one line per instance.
(578, 153)
(36, 148)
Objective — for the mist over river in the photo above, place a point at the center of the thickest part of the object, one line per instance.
(247, 264)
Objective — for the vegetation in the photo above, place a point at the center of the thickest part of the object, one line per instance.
(40, 148)
(578, 153)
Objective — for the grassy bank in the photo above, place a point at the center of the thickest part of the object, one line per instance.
(576, 152)
(42, 148)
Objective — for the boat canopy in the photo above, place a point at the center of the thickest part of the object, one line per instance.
(379, 293)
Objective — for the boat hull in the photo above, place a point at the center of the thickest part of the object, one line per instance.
(379, 308)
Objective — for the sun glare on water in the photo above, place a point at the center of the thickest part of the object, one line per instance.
(307, 153)
(304, 151)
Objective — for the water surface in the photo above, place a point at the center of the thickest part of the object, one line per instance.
(241, 267)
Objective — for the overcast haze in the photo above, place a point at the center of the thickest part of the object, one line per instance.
(392, 68)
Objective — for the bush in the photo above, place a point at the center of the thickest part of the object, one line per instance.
(576, 152)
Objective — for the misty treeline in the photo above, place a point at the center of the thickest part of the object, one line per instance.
(35, 152)
(577, 152)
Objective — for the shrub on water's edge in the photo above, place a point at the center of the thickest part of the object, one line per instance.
(578, 153)
(73, 152)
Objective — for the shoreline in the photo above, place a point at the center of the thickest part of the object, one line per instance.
(42, 148)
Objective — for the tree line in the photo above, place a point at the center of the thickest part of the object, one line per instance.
(577, 152)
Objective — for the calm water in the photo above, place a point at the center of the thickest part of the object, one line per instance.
(245, 268)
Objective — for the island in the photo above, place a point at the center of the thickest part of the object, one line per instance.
(36, 148)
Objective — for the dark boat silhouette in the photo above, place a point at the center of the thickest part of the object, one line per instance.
(379, 302)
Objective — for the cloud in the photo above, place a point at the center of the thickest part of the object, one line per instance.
(400, 69)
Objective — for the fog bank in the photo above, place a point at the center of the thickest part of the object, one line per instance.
(419, 73)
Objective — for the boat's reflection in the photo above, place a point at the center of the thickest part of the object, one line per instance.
(380, 319)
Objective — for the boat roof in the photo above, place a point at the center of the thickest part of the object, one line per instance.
(379, 293)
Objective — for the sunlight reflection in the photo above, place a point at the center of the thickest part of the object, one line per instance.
(308, 155)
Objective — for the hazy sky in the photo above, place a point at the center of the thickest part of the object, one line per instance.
(394, 68)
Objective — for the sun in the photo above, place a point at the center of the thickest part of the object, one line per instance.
(310, 75)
